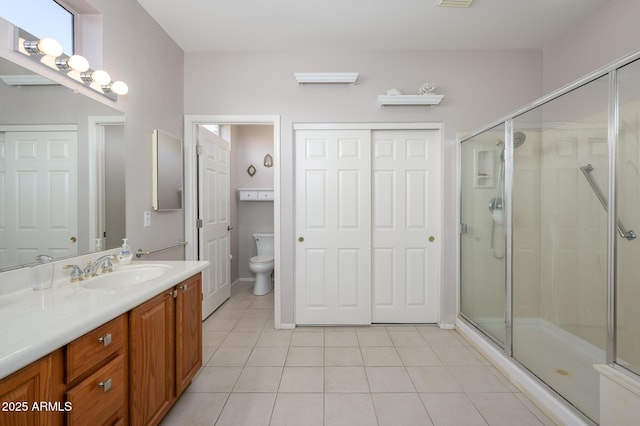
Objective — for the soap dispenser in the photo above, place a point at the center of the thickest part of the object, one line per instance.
(125, 254)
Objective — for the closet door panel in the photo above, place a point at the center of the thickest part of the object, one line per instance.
(333, 227)
(405, 215)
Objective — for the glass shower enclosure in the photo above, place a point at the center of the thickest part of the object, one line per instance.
(549, 260)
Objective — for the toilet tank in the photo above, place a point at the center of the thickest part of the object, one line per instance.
(264, 243)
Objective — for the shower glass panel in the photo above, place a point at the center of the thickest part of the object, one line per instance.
(628, 212)
(560, 179)
(482, 240)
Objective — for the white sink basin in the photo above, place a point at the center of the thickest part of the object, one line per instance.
(126, 276)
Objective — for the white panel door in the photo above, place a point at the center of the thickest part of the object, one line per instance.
(333, 227)
(214, 211)
(39, 212)
(406, 225)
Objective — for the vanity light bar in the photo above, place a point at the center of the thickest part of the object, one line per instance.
(49, 52)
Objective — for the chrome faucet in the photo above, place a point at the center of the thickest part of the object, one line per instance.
(76, 273)
(103, 262)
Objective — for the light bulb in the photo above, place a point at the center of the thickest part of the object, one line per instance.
(101, 77)
(119, 88)
(49, 46)
(78, 63)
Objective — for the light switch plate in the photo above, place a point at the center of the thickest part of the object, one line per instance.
(147, 219)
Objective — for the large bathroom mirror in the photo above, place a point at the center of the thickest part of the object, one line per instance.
(167, 171)
(62, 154)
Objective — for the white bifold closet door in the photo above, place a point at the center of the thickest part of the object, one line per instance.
(333, 224)
(368, 226)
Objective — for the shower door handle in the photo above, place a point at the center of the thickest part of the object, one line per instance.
(622, 231)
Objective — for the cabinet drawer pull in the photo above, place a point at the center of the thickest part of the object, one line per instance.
(183, 287)
(106, 385)
(105, 340)
(173, 293)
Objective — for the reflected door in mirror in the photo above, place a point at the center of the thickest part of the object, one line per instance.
(40, 214)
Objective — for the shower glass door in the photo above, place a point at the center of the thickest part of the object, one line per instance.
(482, 237)
(628, 212)
(560, 182)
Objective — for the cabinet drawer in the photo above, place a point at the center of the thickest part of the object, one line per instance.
(97, 398)
(95, 346)
(248, 195)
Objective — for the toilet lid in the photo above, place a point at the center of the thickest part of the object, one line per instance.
(261, 259)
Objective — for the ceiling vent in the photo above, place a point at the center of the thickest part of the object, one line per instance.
(454, 3)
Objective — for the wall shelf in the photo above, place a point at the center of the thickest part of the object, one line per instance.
(326, 77)
(409, 99)
(255, 194)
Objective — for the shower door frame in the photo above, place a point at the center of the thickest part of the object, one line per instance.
(609, 70)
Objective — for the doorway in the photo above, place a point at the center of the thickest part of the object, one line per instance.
(193, 126)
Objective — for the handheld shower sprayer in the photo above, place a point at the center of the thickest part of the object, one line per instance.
(496, 204)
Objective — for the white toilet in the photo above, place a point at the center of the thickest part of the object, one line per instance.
(262, 264)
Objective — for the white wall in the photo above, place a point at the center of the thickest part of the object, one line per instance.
(479, 86)
(606, 35)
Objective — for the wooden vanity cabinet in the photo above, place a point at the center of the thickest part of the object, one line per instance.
(165, 350)
(30, 385)
(129, 370)
(96, 375)
(84, 382)
(188, 332)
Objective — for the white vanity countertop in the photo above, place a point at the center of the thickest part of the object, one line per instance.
(36, 323)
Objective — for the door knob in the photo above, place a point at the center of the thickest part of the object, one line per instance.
(301, 239)
(432, 238)
(73, 240)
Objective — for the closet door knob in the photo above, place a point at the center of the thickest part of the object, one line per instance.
(432, 238)
(301, 239)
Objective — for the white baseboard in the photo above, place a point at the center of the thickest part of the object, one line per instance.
(287, 326)
(240, 280)
(446, 326)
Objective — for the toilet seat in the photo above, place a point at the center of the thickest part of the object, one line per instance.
(261, 259)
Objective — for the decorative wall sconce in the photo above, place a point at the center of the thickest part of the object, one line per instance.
(48, 51)
(251, 170)
(268, 160)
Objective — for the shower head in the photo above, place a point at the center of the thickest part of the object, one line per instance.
(518, 139)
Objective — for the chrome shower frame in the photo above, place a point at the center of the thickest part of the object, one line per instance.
(610, 71)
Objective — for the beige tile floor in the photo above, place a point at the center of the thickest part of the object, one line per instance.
(395, 375)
